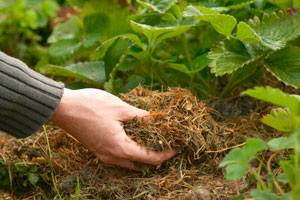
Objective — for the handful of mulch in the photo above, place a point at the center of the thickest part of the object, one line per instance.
(180, 121)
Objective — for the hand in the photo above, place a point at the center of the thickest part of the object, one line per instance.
(95, 118)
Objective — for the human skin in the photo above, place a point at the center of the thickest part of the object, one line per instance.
(95, 118)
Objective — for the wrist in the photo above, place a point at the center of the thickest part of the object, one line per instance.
(62, 107)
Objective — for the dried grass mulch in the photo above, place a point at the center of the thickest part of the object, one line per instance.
(201, 134)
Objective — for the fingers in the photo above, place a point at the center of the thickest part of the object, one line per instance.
(111, 160)
(132, 112)
(141, 154)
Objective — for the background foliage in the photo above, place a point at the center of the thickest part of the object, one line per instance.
(209, 46)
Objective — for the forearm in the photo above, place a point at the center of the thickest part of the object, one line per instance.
(27, 99)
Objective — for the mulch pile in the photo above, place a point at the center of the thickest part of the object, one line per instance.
(200, 133)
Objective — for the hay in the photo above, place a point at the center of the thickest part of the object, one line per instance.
(180, 121)
(199, 133)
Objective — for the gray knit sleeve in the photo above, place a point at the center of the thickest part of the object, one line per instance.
(27, 99)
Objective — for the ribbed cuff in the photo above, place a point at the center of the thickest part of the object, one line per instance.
(27, 99)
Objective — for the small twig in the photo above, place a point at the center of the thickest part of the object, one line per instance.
(270, 172)
(236, 188)
(222, 150)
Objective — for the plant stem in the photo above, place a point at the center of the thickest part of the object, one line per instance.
(203, 81)
(234, 83)
(191, 81)
(297, 166)
(50, 157)
(258, 178)
(187, 52)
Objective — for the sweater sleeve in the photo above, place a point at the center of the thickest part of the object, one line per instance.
(27, 99)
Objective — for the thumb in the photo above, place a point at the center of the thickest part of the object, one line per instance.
(132, 112)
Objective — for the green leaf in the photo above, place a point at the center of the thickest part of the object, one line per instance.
(133, 82)
(160, 6)
(180, 67)
(95, 26)
(156, 34)
(277, 97)
(238, 4)
(279, 144)
(253, 146)
(295, 194)
(283, 4)
(199, 63)
(282, 120)
(246, 34)
(289, 171)
(64, 48)
(117, 15)
(224, 24)
(33, 178)
(101, 51)
(116, 53)
(235, 171)
(282, 178)
(128, 64)
(228, 56)
(235, 163)
(285, 65)
(273, 31)
(93, 71)
(115, 56)
(263, 195)
(234, 156)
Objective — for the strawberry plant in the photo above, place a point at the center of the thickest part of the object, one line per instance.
(286, 119)
(22, 21)
(176, 43)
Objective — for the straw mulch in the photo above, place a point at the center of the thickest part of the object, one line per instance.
(200, 133)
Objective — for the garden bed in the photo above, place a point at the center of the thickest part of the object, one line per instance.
(201, 132)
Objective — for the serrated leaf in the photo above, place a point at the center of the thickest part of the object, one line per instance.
(246, 34)
(93, 71)
(238, 4)
(285, 65)
(282, 120)
(69, 30)
(156, 34)
(101, 51)
(277, 97)
(228, 56)
(222, 23)
(95, 26)
(281, 143)
(263, 195)
(273, 31)
(160, 6)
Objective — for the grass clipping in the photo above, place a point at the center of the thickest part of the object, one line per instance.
(180, 121)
